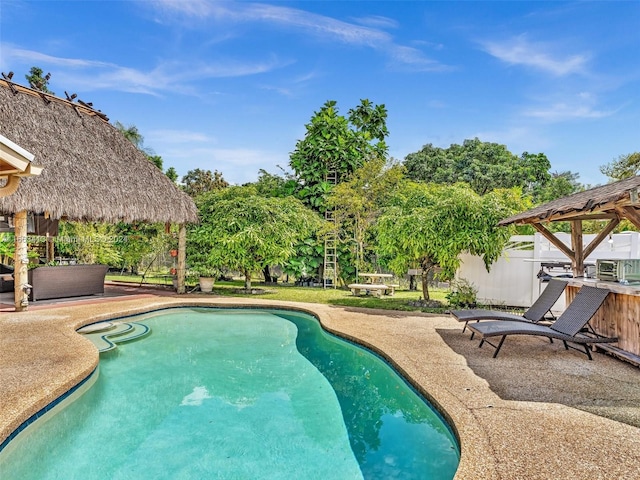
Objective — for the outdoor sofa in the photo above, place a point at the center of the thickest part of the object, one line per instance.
(66, 281)
(6, 278)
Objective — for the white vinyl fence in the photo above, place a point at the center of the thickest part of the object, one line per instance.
(513, 279)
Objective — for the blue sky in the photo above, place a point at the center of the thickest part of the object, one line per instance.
(229, 86)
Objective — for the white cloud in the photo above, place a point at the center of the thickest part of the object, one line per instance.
(566, 111)
(377, 21)
(368, 34)
(540, 56)
(171, 76)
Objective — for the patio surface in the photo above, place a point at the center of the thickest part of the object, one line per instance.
(535, 412)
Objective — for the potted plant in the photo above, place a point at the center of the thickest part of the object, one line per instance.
(207, 279)
(201, 264)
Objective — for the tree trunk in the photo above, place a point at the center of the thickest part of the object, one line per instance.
(267, 274)
(247, 280)
(426, 268)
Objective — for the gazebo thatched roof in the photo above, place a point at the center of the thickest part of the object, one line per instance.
(90, 170)
(604, 202)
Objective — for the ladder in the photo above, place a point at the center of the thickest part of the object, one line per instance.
(330, 273)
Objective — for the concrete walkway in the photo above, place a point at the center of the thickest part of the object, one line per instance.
(535, 412)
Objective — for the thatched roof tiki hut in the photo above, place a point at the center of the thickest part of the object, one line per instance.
(90, 171)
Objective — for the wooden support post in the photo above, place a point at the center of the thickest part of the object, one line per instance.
(50, 249)
(21, 262)
(578, 248)
(182, 258)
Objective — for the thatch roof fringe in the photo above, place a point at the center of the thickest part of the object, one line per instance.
(91, 171)
(599, 199)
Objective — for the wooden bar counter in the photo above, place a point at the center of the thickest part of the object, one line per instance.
(619, 316)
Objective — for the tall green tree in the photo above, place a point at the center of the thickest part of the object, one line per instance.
(625, 166)
(484, 166)
(198, 181)
(243, 231)
(37, 81)
(430, 225)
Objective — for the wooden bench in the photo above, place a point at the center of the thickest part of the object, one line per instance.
(375, 289)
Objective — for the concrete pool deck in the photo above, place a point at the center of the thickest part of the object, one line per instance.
(535, 412)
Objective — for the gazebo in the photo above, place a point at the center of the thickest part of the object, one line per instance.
(89, 172)
(612, 203)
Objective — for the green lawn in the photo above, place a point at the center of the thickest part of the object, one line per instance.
(400, 301)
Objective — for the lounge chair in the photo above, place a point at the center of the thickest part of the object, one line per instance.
(569, 327)
(534, 314)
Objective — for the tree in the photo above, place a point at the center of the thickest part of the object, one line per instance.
(243, 231)
(484, 166)
(197, 182)
(334, 143)
(156, 160)
(625, 166)
(131, 133)
(270, 185)
(172, 174)
(560, 185)
(431, 225)
(337, 144)
(358, 202)
(37, 81)
(89, 242)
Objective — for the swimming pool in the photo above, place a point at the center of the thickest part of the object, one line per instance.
(235, 393)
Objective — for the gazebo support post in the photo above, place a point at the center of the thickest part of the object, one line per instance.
(182, 257)
(21, 262)
(578, 248)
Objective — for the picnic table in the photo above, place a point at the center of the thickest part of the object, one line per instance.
(375, 285)
(376, 277)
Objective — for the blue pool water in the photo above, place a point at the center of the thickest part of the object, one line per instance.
(238, 394)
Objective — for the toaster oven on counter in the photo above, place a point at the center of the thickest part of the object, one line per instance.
(616, 270)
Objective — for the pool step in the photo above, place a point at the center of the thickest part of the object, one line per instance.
(106, 335)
